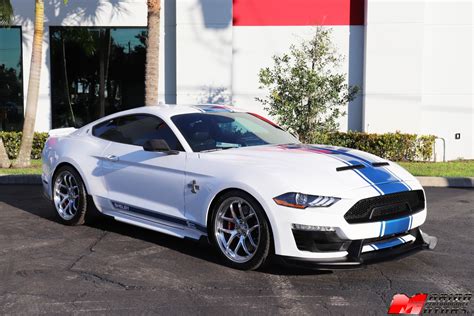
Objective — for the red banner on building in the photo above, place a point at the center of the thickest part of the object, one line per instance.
(298, 12)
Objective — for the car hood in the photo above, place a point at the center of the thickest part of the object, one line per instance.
(311, 166)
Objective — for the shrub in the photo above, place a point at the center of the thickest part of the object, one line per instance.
(306, 93)
(392, 146)
(12, 141)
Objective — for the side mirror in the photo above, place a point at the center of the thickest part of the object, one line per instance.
(159, 145)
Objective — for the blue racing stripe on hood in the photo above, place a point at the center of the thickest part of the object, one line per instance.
(384, 180)
(381, 179)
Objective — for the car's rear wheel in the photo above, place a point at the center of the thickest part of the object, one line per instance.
(69, 196)
(240, 231)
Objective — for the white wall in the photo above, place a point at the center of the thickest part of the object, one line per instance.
(419, 68)
(254, 47)
(204, 51)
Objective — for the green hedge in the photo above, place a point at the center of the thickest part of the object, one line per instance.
(392, 146)
(12, 141)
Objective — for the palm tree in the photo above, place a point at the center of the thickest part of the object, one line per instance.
(152, 53)
(6, 14)
(24, 158)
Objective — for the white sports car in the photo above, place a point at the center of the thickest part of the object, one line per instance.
(241, 181)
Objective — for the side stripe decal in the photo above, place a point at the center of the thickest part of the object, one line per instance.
(160, 216)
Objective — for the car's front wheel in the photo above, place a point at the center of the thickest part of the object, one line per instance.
(240, 231)
(69, 196)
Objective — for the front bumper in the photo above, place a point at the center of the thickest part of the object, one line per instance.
(357, 256)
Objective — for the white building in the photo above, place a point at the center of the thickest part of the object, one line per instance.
(412, 59)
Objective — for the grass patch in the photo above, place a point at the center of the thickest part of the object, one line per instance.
(459, 168)
(35, 169)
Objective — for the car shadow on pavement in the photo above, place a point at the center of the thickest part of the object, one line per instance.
(29, 199)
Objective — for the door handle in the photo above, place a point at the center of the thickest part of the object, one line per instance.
(112, 158)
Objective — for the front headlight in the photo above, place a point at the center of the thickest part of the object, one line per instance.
(300, 200)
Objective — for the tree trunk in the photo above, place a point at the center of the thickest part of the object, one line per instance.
(152, 70)
(103, 69)
(66, 82)
(4, 161)
(24, 156)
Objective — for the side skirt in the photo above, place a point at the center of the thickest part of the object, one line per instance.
(159, 222)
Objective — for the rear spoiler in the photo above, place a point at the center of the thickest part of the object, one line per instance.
(61, 131)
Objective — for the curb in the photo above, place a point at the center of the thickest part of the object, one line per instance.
(20, 179)
(441, 182)
(446, 182)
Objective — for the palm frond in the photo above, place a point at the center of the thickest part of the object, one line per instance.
(6, 12)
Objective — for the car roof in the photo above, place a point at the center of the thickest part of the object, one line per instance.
(169, 110)
(166, 111)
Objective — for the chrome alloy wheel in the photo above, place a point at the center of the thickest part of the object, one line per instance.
(66, 195)
(237, 229)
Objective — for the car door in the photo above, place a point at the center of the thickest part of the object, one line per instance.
(148, 184)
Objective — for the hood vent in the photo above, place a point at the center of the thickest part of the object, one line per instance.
(350, 167)
(379, 164)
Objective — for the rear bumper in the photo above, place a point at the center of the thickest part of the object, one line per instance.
(356, 258)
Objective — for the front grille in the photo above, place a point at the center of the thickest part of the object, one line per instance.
(386, 207)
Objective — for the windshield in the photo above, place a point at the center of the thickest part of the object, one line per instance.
(223, 130)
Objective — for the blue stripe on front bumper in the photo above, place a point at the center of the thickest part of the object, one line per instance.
(387, 244)
(395, 226)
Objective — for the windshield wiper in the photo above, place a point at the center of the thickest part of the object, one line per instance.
(210, 150)
(217, 149)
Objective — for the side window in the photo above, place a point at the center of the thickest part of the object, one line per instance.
(136, 130)
(106, 130)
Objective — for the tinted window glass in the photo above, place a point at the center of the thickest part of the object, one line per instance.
(209, 131)
(136, 130)
(95, 71)
(11, 83)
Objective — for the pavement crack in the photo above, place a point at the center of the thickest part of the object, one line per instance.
(390, 282)
(383, 294)
(326, 308)
(90, 249)
(97, 278)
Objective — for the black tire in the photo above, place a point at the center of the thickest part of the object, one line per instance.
(262, 251)
(79, 208)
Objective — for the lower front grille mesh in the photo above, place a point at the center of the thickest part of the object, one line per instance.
(386, 207)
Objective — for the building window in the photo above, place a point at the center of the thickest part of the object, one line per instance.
(95, 71)
(11, 79)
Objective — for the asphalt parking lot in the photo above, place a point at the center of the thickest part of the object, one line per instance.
(112, 268)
